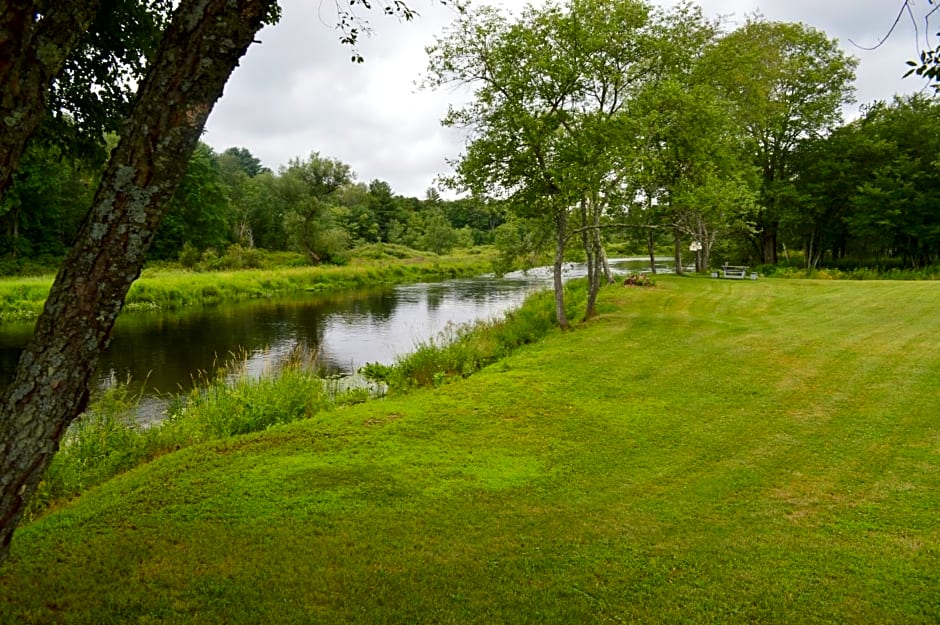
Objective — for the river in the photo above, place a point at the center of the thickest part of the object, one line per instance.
(166, 352)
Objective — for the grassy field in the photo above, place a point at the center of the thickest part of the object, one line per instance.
(706, 451)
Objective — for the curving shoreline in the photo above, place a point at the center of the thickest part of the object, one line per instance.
(22, 298)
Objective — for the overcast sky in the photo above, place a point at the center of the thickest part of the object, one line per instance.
(297, 91)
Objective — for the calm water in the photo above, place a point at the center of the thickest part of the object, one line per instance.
(168, 350)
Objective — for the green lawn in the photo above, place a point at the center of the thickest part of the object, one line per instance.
(706, 451)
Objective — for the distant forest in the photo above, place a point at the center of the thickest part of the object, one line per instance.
(313, 205)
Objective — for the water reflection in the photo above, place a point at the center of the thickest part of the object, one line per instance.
(169, 349)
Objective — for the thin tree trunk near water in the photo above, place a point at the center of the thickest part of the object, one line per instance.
(199, 51)
(589, 257)
(608, 275)
(677, 250)
(594, 251)
(561, 235)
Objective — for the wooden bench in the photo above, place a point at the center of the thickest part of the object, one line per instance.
(736, 272)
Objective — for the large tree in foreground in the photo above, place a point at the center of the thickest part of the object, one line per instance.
(197, 53)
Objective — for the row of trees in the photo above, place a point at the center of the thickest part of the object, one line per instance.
(595, 120)
(599, 110)
(620, 123)
(870, 191)
(313, 205)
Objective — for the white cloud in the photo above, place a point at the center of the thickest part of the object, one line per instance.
(298, 92)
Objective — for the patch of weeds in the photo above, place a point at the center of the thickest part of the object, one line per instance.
(638, 279)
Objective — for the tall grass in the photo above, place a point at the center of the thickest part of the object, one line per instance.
(460, 351)
(851, 273)
(170, 287)
(22, 298)
(176, 289)
(109, 439)
(97, 446)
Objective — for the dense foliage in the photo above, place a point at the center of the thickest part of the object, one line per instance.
(870, 190)
(674, 131)
(314, 206)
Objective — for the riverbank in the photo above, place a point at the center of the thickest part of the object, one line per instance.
(704, 451)
(111, 437)
(169, 287)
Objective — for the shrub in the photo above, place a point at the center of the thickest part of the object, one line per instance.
(848, 270)
(189, 256)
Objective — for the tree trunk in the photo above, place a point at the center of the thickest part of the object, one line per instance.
(594, 250)
(702, 256)
(15, 230)
(198, 52)
(677, 250)
(561, 236)
(32, 53)
(809, 250)
(707, 244)
(651, 248)
(608, 274)
(769, 245)
(588, 255)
